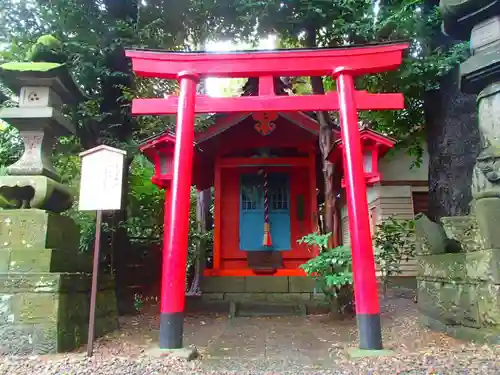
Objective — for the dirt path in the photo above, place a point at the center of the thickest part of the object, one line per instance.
(277, 345)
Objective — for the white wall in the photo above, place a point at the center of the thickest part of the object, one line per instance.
(395, 166)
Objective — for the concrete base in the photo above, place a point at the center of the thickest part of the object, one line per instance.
(186, 354)
(361, 353)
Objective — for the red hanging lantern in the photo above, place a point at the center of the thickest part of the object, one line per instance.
(374, 146)
(160, 151)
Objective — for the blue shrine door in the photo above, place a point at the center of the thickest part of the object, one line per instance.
(252, 211)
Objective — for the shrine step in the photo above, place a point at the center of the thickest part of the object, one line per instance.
(252, 309)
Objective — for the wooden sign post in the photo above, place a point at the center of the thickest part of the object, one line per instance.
(100, 190)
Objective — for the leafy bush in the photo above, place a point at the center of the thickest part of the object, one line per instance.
(331, 269)
(395, 243)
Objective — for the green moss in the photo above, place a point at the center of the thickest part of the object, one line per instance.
(30, 66)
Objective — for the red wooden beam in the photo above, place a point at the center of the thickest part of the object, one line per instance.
(207, 104)
(246, 162)
(300, 62)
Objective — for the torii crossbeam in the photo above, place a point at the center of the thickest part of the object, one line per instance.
(343, 64)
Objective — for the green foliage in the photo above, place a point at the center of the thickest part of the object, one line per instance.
(332, 268)
(395, 243)
(47, 49)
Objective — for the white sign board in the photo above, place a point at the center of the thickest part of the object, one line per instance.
(101, 179)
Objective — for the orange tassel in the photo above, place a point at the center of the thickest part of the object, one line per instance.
(267, 235)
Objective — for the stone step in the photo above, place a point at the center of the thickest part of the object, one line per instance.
(252, 309)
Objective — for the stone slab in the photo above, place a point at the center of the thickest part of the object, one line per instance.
(482, 335)
(488, 217)
(443, 266)
(464, 230)
(218, 284)
(301, 284)
(186, 354)
(268, 297)
(264, 284)
(489, 306)
(453, 304)
(51, 282)
(4, 260)
(484, 265)
(363, 353)
(37, 229)
(42, 260)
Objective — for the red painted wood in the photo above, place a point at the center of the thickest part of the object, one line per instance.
(266, 85)
(245, 162)
(230, 216)
(363, 261)
(267, 103)
(165, 279)
(243, 137)
(230, 254)
(300, 185)
(217, 217)
(302, 62)
(314, 197)
(221, 124)
(249, 272)
(176, 244)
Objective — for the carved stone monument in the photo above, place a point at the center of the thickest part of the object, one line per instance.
(459, 275)
(44, 279)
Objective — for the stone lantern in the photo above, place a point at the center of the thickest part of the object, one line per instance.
(44, 279)
(32, 181)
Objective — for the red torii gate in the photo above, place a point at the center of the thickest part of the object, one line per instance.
(342, 63)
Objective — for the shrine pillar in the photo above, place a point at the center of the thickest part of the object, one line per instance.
(176, 240)
(363, 260)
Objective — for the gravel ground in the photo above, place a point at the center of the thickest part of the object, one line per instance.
(316, 346)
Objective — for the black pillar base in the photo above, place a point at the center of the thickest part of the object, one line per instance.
(370, 331)
(171, 330)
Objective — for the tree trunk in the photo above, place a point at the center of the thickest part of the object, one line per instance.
(452, 138)
(325, 144)
(202, 217)
(453, 144)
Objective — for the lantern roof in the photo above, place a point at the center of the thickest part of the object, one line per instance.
(369, 137)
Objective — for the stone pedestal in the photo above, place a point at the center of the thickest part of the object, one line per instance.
(45, 285)
(459, 293)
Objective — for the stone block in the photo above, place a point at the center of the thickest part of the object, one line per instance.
(37, 229)
(464, 230)
(4, 260)
(36, 308)
(16, 339)
(45, 339)
(217, 284)
(46, 260)
(479, 335)
(484, 265)
(6, 309)
(33, 283)
(430, 236)
(488, 217)
(442, 266)
(452, 304)
(268, 297)
(209, 297)
(265, 284)
(301, 284)
(105, 325)
(489, 306)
